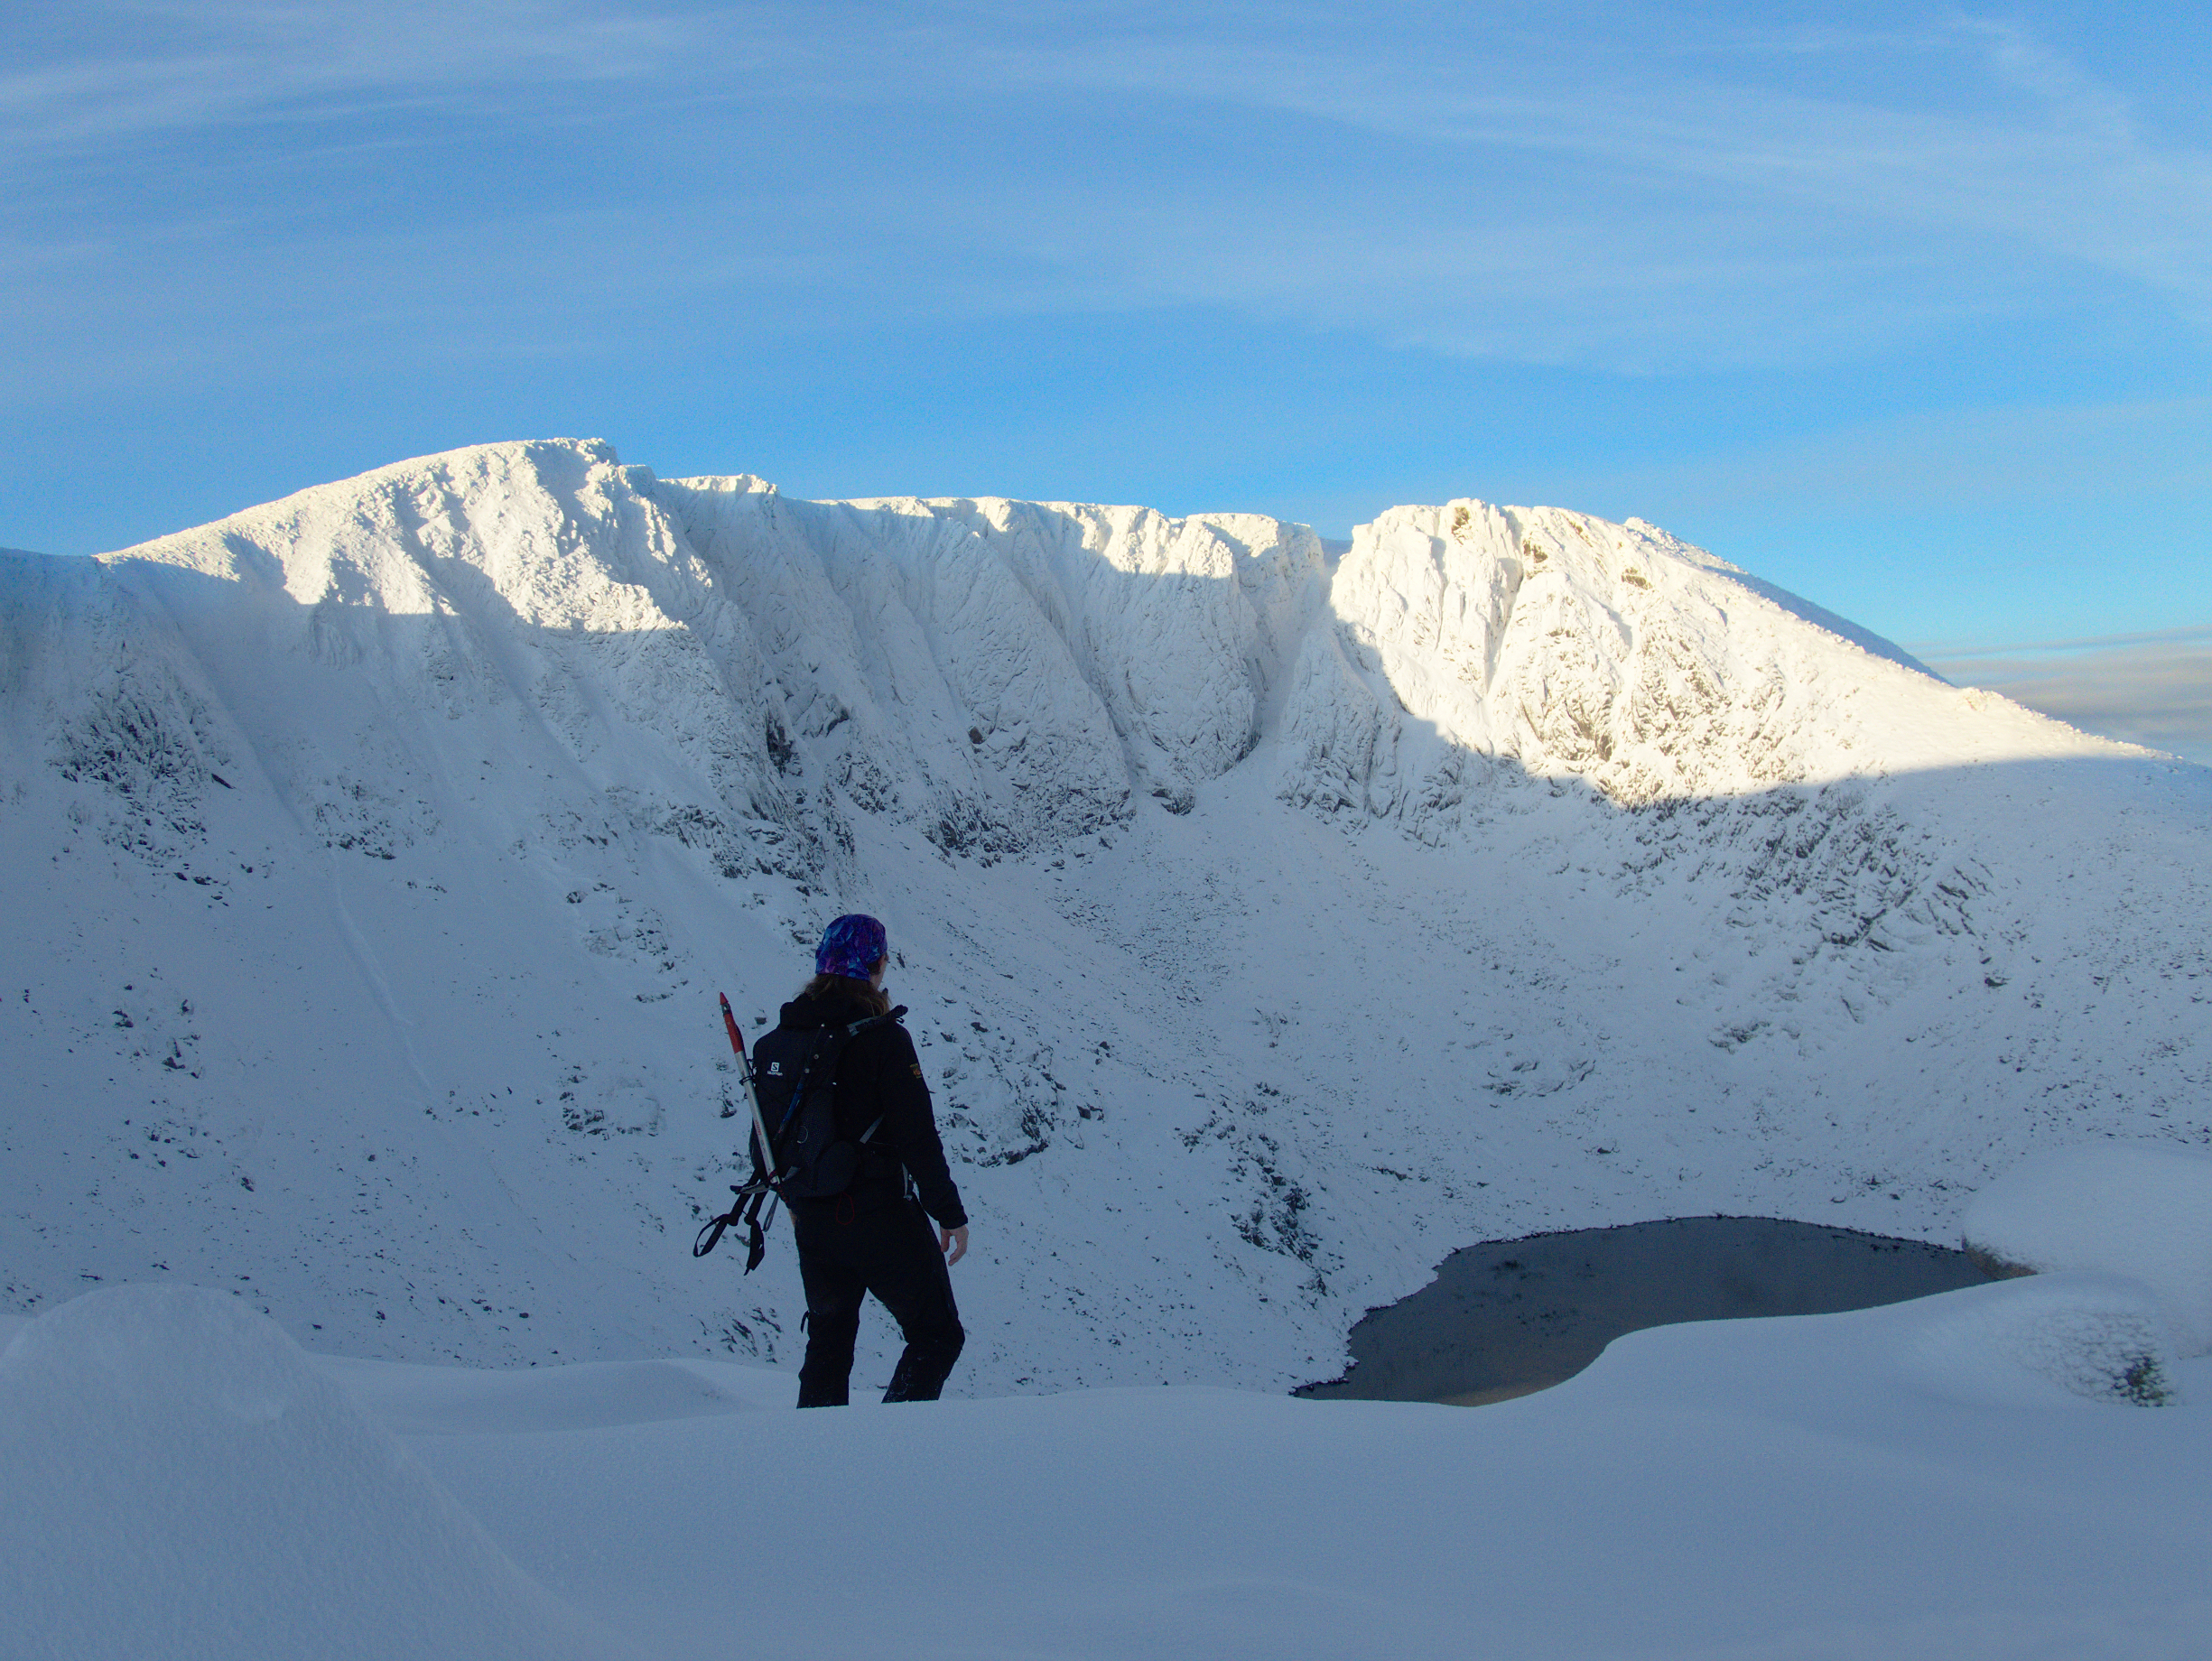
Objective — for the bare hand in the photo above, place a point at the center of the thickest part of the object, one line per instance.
(954, 1243)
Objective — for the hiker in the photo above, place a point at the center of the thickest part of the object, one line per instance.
(875, 1235)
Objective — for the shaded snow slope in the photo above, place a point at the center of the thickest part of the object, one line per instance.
(1274, 918)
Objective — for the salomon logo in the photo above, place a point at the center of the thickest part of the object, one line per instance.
(776, 1070)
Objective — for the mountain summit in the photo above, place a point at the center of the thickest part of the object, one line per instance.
(1273, 921)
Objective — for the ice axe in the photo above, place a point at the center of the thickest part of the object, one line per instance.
(746, 1207)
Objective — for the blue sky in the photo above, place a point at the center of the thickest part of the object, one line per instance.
(1907, 308)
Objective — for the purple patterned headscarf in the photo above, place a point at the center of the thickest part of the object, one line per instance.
(853, 946)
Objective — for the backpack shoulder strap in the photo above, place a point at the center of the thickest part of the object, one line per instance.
(854, 1031)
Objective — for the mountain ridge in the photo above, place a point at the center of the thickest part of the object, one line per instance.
(433, 805)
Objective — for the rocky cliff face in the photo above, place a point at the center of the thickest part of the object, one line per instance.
(1273, 921)
(1612, 653)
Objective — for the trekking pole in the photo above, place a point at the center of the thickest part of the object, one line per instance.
(758, 1190)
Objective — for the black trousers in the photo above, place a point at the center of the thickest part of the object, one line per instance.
(846, 1252)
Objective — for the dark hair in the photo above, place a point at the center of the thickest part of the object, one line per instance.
(844, 988)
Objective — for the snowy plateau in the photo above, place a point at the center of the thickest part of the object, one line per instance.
(1275, 916)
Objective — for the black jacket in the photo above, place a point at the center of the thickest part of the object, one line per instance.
(880, 1076)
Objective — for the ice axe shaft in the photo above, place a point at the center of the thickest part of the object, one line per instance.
(752, 1096)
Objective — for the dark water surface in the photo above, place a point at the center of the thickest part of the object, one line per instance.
(1510, 1316)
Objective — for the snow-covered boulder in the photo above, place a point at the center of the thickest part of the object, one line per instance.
(2137, 1209)
(181, 1481)
(2105, 1337)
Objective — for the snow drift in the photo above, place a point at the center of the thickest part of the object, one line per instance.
(2138, 1210)
(2105, 1337)
(1839, 1486)
(1274, 922)
(181, 1481)
(1905, 1481)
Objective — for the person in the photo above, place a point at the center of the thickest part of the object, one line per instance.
(876, 1236)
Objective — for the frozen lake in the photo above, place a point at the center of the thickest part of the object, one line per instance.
(1506, 1317)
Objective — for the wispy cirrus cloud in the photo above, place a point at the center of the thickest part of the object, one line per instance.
(1727, 183)
(1672, 200)
(124, 74)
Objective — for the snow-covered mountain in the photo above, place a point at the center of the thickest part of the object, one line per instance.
(1273, 922)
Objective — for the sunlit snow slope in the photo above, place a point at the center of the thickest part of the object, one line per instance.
(1272, 924)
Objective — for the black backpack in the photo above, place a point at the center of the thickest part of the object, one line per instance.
(794, 1079)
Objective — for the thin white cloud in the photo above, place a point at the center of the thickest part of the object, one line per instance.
(129, 73)
(1951, 461)
(2047, 650)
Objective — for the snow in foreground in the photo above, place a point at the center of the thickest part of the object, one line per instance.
(1904, 1482)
